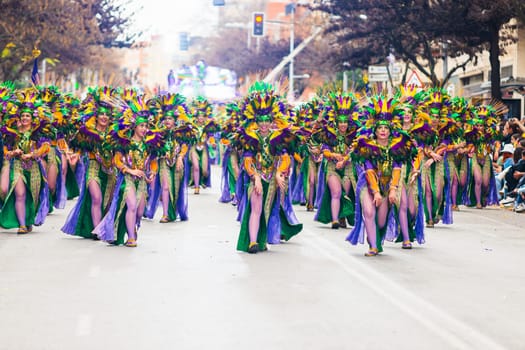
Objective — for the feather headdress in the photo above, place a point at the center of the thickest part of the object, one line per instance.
(382, 111)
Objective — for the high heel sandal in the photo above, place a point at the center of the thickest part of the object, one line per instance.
(131, 242)
(22, 230)
(309, 207)
(342, 223)
(196, 190)
(253, 248)
(335, 225)
(372, 252)
(164, 219)
(406, 245)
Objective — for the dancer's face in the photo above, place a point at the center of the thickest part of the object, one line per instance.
(407, 117)
(342, 126)
(25, 119)
(169, 122)
(103, 119)
(382, 132)
(140, 130)
(264, 126)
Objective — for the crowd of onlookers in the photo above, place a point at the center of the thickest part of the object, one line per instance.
(509, 164)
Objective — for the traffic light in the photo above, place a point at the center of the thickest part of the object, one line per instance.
(184, 41)
(258, 24)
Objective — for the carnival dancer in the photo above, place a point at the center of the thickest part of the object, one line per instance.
(6, 103)
(67, 118)
(93, 140)
(202, 114)
(438, 205)
(230, 160)
(298, 186)
(381, 148)
(26, 135)
(337, 205)
(456, 157)
(177, 134)
(481, 135)
(267, 215)
(420, 130)
(135, 157)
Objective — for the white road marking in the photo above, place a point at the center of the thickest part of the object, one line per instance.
(453, 331)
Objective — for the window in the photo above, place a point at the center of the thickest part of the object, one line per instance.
(473, 79)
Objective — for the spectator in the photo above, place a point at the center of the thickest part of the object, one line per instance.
(515, 178)
(514, 139)
(517, 126)
(502, 165)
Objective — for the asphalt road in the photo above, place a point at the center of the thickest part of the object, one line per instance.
(186, 287)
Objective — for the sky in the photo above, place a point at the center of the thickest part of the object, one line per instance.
(172, 16)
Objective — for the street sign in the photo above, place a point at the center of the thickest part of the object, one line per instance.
(378, 77)
(377, 70)
(414, 80)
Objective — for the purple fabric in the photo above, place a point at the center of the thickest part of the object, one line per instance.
(298, 192)
(61, 192)
(208, 179)
(447, 208)
(357, 234)
(225, 178)
(80, 171)
(72, 218)
(182, 200)
(153, 199)
(466, 198)
(43, 208)
(105, 230)
(492, 196)
(392, 230)
(420, 218)
(289, 213)
(321, 184)
(240, 193)
(274, 222)
(241, 207)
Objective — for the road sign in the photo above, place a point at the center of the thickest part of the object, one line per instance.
(414, 80)
(378, 77)
(377, 70)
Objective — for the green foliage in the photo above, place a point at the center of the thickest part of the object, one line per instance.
(65, 32)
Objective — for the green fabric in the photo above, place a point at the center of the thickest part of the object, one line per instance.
(232, 181)
(72, 189)
(288, 230)
(243, 242)
(8, 217)
(85, 225)
(173, 188)
(346, 208)
(436, 170)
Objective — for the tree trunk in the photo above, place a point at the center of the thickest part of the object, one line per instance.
(495, 76)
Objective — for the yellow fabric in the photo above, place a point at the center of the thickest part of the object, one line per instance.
(297, 157)
(154, 166)
(118, 161)
(43, 150)
(372, 180)
(396, 176)
(183, 150)
(285, 162)
(62, 145)
(249, 166)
